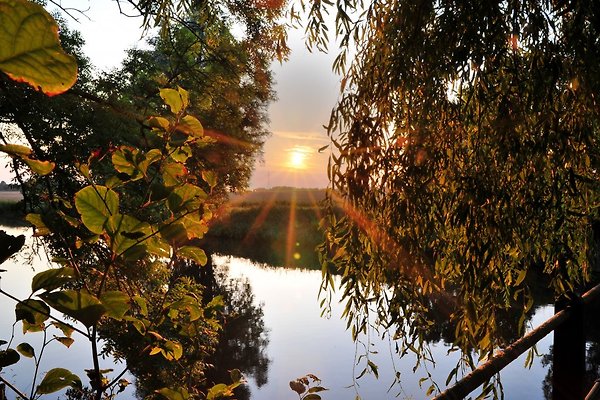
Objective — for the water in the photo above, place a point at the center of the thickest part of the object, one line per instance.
(78, 357)
(302, 342)
(291, 341)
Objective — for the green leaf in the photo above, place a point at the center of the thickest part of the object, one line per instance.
(172, 350)
(195, 227)
(173, 99)
(52, 279)
(96, 205)
(34, 312)
(236, 375)
(126, 232)
(26, 350)
(210, 177)
(8, 357)
(79, 305)
(116, 304)
(125, 159)
(159, 122)
(174, 232)
(149, 158)
(312, 396)
(190, 125)
(178, 394)
(220, 390)
(30, 49)
(158, 246)
(186, 197)
(373, 368)
(193, 253)
(40, 227)
(171, 171)
(57, 379)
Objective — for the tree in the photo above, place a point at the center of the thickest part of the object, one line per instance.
(465, 153)
(118, 210)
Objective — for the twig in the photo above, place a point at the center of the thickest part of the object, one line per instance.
(14, 389)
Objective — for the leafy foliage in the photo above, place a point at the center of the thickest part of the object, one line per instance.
(464, 155)
(30, 50)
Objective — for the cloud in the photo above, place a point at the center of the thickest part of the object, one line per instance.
(301, 149)
(307, 136)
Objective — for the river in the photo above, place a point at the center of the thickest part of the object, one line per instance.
(291, 340)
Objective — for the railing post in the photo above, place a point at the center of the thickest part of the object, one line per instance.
(568, 365)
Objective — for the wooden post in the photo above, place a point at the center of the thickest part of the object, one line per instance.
(568, 365)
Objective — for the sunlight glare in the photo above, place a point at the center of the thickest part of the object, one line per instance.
(297, 159)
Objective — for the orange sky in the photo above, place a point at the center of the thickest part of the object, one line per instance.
(306, 90)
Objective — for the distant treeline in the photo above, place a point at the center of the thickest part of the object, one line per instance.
(8, 186)
(282, 194)
(278, 232)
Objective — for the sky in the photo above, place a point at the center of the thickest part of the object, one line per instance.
(306, 90)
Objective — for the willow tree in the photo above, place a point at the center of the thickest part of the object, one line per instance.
(465, 154)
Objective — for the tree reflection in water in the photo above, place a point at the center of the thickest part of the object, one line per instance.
(241, 344)
(244, 338)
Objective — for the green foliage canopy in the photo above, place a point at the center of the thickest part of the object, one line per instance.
(465, 153)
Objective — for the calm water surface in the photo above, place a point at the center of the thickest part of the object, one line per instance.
(297, 341)
(301, 342)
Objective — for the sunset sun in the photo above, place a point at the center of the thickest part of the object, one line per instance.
(297, 159)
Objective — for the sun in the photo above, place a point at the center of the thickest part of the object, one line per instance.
(297, 159)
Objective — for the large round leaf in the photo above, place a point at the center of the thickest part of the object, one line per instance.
(80, 305)
(57, 379)
(30, 50)
(96, 204)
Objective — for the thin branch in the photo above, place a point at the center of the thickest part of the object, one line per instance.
(14, 389)
(44, 313)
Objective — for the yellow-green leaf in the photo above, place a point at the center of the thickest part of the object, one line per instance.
(178, 394)
(57, 379)
(173, 99)
(96, 204)
(210, 177)
(191, 125)
(15, 149)
(34, 312)
(26, 350)
(116, 304)
(30, 50)
(52, 279)
(193, 253)
(171, 171)
(40, 227)
(39, 167)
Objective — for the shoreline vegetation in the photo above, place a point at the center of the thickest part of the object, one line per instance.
(278, 226)
(11, 208)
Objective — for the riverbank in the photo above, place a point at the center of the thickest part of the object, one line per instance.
(281, 234)
(11, 210)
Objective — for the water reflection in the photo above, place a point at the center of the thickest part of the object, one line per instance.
(244, 339)
(274, 334)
